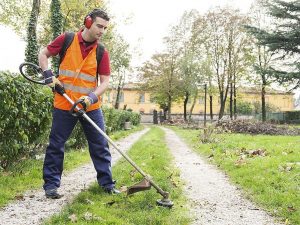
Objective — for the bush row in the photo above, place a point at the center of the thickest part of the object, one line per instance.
(25, 118)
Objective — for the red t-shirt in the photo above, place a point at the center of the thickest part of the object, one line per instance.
(104, 66)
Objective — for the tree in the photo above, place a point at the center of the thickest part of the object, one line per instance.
(161, 79)
(201, 36)
(188, 58)
(225, 44)
(56, 27)
(283, 39)
(120, 59)
(31, 51)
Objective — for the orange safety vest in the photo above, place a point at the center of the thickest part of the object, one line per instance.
(77, 75)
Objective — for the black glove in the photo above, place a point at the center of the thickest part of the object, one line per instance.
(50, 79)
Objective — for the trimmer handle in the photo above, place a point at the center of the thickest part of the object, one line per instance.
(80, 111)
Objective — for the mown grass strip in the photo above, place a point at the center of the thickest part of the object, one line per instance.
(95, 207)
(27, 174)
(272, 180)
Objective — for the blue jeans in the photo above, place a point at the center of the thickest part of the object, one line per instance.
(62, 125)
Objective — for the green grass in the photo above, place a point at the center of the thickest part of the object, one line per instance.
(27, 174)
(273, 181)
(95, 207)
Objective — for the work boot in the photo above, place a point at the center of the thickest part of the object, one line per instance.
(53, 194)
(112, 191)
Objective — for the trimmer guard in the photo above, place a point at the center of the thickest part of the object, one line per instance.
(141, 186)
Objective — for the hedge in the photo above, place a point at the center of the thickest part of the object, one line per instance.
(24, 116)
(25, 119)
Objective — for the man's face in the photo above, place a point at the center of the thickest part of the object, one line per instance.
(98, 28)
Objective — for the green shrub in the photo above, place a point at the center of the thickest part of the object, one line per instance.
(25, 116)
(115, 119)
(292, 116)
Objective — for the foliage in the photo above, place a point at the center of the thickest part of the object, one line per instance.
(208, 135)
(293, 116)
(253, 127)
(283, 39)
(268, 107)
(56, 27)
(221, 34)
(31, 51)
(115, 119)
(243, 108)
(160, 77)
(25, 114)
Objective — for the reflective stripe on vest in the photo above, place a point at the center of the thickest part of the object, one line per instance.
(74, 88)
(82, 76)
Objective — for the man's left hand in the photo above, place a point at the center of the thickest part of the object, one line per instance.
(89, 100)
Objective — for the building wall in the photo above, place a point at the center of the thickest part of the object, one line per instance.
(141, 102)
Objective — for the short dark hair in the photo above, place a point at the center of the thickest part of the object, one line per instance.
(98, 13)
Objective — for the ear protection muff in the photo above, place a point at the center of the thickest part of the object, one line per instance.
(88, 21)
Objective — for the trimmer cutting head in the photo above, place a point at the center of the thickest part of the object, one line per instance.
(165, 202)
(144, 185)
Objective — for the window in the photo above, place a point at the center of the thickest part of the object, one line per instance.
(201, 100)
(121, 97)
(142, 98)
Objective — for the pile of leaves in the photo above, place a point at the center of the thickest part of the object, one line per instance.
(254, 127)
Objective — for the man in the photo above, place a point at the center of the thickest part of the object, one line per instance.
(78, 75)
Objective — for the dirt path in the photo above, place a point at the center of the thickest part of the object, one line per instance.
(213, 199)
(35, 207)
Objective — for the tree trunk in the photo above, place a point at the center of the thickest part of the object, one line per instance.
(231, 101)
(263, 99)
(211, 107)
(193, 105)
(117, 103)
(169, 107)
(222, 104)
(234, 101)
(186, 99)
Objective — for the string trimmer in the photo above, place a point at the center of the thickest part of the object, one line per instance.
(33, 73)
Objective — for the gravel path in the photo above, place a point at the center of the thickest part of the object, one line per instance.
(35, 207)
(213, 199)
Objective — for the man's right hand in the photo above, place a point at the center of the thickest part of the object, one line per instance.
(50, 79)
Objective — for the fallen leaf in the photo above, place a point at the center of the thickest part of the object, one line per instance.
(19, 197)
(240, 162)
(88, 216)
(89, 202)
(110, 203)
(123, 189)
(291, 209)
(73, 218)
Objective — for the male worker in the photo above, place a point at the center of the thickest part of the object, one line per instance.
(78, 74)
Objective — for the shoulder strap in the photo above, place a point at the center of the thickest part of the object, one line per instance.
(99, 55)
(69, 36)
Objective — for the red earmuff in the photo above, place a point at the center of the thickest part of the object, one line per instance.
(88, 22)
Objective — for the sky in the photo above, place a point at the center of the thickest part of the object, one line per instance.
(142, 23)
